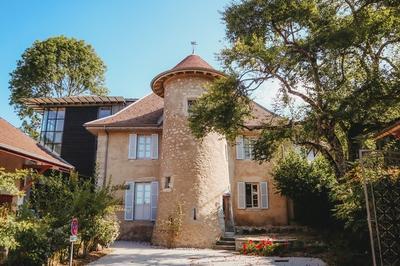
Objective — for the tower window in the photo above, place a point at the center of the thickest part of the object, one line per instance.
(167, 182)
(190, 104)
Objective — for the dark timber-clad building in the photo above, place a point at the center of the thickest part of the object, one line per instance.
(62, 128)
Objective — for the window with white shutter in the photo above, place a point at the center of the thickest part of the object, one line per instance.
(132, 146)
(154, 146)
(264, 195)
(129, 196)
(239, 148)
(143, 146)
(154, 200)
(241, 195)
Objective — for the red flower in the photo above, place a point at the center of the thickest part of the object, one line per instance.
(259, 246)
(244, 246)
(250, 241)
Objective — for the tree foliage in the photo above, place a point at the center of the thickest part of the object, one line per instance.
(40, 231)
(56, 67)
(338, 58)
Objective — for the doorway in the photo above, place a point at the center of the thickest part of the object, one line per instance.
(226, 199)
(142, 201)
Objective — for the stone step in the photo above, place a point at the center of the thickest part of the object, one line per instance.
(227, 239)
(226, 242)
(224, 247)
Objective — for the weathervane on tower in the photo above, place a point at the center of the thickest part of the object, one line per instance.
(193, 43)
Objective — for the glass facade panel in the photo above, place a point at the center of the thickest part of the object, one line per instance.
(52, 129)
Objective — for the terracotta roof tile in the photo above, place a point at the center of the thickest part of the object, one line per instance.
(146, 112)
(15, 141)
(192, 61)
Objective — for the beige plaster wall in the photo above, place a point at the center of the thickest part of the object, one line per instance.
(199, 170)
(252, 171)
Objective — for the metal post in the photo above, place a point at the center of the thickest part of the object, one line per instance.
(369, 220)
(72, 254)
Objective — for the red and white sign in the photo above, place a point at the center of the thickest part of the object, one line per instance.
(74, 227)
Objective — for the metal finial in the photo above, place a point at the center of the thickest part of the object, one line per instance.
(193, 43)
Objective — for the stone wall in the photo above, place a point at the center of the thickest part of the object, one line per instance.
(199, 170)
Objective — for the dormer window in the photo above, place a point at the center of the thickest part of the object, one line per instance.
(190, 104)
(105, 111)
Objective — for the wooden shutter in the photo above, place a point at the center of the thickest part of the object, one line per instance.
(239, 148)
(129, 199)
(264, 195)
(132, 146)
(154, 146)
(154, 200)
(241, 195)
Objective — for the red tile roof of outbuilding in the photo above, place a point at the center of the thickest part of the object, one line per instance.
(13, 140)
(192, 61)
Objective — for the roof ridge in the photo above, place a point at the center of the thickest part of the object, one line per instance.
(120, 111)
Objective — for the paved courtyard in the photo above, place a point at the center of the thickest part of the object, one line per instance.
(134, 253)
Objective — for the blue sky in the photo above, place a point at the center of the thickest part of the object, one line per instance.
(136, 39)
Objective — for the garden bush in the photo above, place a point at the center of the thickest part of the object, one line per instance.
(260, 248)
(46, 217)
(308, 184)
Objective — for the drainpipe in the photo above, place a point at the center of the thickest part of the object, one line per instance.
(105, 158)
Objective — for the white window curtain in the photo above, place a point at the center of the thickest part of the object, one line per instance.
(129, 198)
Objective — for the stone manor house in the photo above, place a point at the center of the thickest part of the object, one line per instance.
(147, 145)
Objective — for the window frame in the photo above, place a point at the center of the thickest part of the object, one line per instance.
(104, 108)
(56, 131)
(252, 194)
(248, 148)
(146, 145)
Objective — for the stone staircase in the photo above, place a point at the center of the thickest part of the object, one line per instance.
(227, 242)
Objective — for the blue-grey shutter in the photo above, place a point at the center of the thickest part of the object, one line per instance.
(154, 146)
(129, 198)
(132, 146)
(264, 195)
(241, 195)
(154, 200)
(239, 148)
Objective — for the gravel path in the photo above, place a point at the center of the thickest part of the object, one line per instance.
(134, 253)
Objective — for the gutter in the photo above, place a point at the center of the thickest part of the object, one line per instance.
(106, 157)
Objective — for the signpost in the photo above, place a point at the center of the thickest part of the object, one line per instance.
(73, 237)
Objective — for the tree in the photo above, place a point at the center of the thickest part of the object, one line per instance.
(56, 67)
(338, 57)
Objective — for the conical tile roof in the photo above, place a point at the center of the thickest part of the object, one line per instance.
(191, 64)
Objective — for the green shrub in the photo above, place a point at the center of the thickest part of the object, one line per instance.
(308, 185)
(54, 201)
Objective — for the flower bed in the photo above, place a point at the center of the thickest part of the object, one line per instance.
(261, 248)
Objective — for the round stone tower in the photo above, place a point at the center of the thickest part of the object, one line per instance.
(194, 173)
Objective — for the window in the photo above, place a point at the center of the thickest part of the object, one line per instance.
(141, 199)
(105, 111)
(248, 148)
(143, 146)
(52, 129)
(245, 148)
(190, 104)
(167, 182)
(252, 192)
(252, 195)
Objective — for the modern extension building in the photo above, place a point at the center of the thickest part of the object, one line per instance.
(62, 130)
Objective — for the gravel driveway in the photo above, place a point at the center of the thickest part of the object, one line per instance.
(134, 253)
